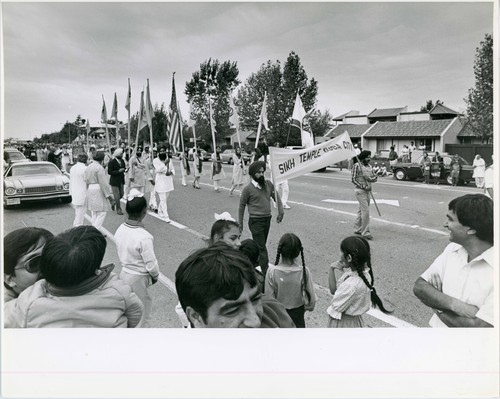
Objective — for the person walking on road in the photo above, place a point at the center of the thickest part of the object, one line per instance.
(134, 245)
(137, 171)
(99, 196)
(164, 184)
(459, 285)
(456, 167)
(116, 170)
(217, 173)
(197, 167)
(78, 188)
(488, 180)
(257, 196)
(353, 292)
(239, 171)
(478, 173)
(362, 176)
(425, 165)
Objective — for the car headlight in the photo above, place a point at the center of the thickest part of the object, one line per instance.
(10, 191)
(66, 186)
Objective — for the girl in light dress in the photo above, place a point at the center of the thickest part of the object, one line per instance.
(479, 169)
(291, 283)
(217, 173)
(197, 167)
(353, 293)
(239, 170)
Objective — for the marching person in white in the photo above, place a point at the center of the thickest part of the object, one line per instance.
(478, 173)
(239, 171)
(78, 188)
(99, 195)
(164, 168)
(185, 170)
(283, 189)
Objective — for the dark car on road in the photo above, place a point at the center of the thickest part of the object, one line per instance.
(413, 170)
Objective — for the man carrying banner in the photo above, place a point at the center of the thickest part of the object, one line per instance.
(257, 196)
(363, 177)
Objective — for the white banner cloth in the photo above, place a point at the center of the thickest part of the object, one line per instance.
(287, 164)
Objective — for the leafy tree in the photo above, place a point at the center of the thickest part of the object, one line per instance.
(429, 105)
(479, 114)
(282, 86)
(320, 122)
(216, 80)
(159, 126)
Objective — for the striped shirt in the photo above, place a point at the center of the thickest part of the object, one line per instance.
(362, 176)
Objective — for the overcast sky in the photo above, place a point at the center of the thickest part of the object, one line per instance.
(60, 58)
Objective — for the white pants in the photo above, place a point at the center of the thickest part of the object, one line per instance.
(79, 215)
(162, 207)
(152, 199)
(283, 190)
(216, 184)
(98, 219)
(140, 285)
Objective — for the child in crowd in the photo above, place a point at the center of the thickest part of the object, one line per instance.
(290, 283)
(225, 229)
(75, 291)
(21, 259)
(250, 248)
(136, 252)
(353, 293)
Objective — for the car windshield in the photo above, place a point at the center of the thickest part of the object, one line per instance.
(15, 155)
(31, 170)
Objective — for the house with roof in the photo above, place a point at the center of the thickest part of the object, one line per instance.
(383, 128)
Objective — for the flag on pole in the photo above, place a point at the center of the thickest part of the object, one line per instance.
(263, 112)
(104, 113)
(173, 122)
(143, 120)
(149, 115)
(88, 126)
(262, 119)
(191, 119)
(129, 97)
(114, 110)
(234, 118)
(298, 115)
(212, 123)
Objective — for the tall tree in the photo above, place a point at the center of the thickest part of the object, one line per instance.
(282, 86)
(159, 126)
(216, 80)
(320, 122)
(479, 100)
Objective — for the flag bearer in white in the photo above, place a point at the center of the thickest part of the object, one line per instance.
(78, 188)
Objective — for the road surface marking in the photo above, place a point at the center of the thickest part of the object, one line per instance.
(379, 201)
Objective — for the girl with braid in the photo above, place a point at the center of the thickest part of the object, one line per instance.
(290, 283)
(353, 293)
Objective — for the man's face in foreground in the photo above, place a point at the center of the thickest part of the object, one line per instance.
(244, 312)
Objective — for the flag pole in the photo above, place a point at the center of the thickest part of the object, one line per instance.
(128, 124)
(106, 125)
(139, 121)
(371, 194)
(150, 126)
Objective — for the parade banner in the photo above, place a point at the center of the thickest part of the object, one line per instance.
(287, 164)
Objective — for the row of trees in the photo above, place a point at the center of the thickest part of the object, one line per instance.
(219, 80)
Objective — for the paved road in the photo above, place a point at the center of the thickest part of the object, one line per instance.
(408, 235)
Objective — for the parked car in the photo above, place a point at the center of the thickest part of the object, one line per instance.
(205, 156)
(413, 171)
(15, 156)
(33, 181)
(227, 156)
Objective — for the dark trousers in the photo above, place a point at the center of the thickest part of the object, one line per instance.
(118, 194)
(297, 315)
(259, 226)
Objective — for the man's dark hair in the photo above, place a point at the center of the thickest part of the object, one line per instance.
(99, 156)
(73, 256)
(208, 274)
(135, 207)
(250, 248)
(82, 158)
(475, 211)
(19, 242)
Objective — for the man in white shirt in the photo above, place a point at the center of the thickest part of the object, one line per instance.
(459, 285)
(78, 188)
(488, 180)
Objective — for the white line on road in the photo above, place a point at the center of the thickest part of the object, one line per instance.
(379, 201)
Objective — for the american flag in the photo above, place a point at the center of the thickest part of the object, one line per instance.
(173, 122)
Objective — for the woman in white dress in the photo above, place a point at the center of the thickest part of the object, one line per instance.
(479, 168)
(197, 167)
(164, 181)
(239, 170)
(217, 173)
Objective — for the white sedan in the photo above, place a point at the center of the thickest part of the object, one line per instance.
(33, 181)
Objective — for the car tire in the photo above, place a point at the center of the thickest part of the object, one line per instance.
(320, 170)
(400, 174)
(66, 200)
(230, 162)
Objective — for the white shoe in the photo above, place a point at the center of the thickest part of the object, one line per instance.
(167, 220)
(286, 206)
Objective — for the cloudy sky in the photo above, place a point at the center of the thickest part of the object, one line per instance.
(60, 58)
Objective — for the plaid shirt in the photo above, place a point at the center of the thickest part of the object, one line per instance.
(362, 176)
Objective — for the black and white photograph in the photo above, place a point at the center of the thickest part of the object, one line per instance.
(183, 169)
